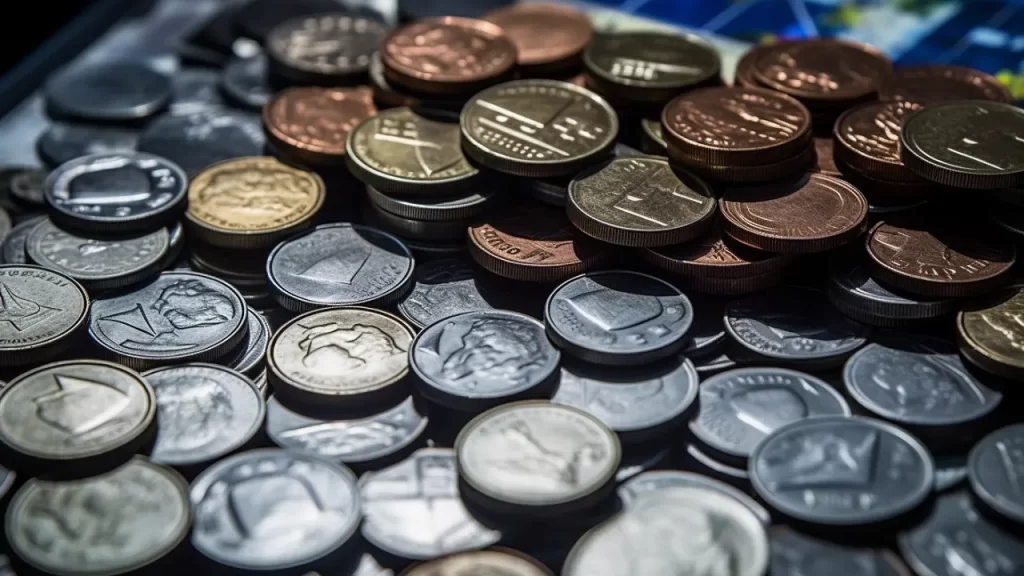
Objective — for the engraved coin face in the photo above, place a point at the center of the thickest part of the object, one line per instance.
(656, 480)
(651, 60)
(204, 413)
(992, 335)
(200, 139)
(40, 308)
(124, 520)
(868, 139)
(443, 288)
(313, 123)
(537, 454)
(481, 562)
(841, 471)
(272, 509)
(994, 471)
(822, 69)
(75, 409)
(325, 45)
(798, 554)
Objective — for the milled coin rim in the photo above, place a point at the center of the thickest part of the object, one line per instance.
(978, 488)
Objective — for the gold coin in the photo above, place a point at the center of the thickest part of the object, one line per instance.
(991, 333)
(252, 202)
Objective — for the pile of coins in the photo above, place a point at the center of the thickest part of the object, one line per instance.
(431, 311)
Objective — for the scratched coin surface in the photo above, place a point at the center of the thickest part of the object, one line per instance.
(938, 83)
(42, 313)
(548, 37)
(312, 124)
(991, 333)
(867, 139)
(993, 471)
(503, 562)
(323, 49)
(822, 72)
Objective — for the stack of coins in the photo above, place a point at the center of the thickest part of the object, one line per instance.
(322, 49)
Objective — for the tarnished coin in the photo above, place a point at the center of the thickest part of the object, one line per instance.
(339, 265)
(856, 294)
(252, 202)
(178, 317)
(42, 314)
(200, 139)
(108, 92)
(549, 38)
(799, 554)
(246, 507)
(538, 128)
(537, 458)
(311, 125)
(993, 469)
(250, 360)
(841, 471)
(323, 49)
(339, 356)
(245, 82)
(477, 360)
(714, 255)
(493, 561)
(75, 411)
(939, 83)
(640, 201)
(618, 318)
(656, 480)
(991, 335)
(969, 144)
(63, 141)
(867, 139)
(125, 521)
(443, 288)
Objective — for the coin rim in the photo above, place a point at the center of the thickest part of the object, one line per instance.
(57, 343)
(978, 487)
(981, 356)
(569, 17)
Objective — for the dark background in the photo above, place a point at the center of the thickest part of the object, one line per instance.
(32, 26)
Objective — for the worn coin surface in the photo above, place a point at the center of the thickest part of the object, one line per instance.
(245, 82)
(43, 314)
(108, 92)
(867, 139)
(799, 554)
(64, 141)
(993, 469)
(656, 480)
(200, 139)
(493, 561)
(991, 335)
(538, 128)
(714, 255)
(938, 83)
(312, 124)
(548, 37)
(443, 288)
(324, 49)
(856, 294)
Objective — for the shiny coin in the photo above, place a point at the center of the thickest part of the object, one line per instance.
(477, 360)
(250, 360)
(252, 202)
(456, 208)
(840, 471)
(134, 516)
(856, 294)
(200, 139)
(443, 288)
(618, 318)
(930, 84)
(656, 480)
(269, 489)
(178, 317)
(323, 49)
(548, 37)
(990, 334)
(867, 139)
(538, 128)
(537, 457)
(43, 314)
(640, 201)
(110, 92)
(75, 411)
(340, 356)
(63, 142)
(714, 255)
(311, 125)
(245, 82)
(993, 470)
(339, 265)
(798, 554)
(205, 412)
(494, 561)
(974, 144)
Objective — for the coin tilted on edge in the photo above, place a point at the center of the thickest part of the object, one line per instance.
(44, 313)
(311, 125)
(990, 333)
(323, 49)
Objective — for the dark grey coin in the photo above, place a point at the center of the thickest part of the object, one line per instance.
(455, 208)
(178, 317)
(661, 479)
(842, 471)
(112, 91)
(63, 142)
(339, 265)
(204, 412)
(124, 191)
(740, 408)
(98, 264)
(856, 294)
(271, 509)
(42, 312)
(477, 360)
(245, 83)
(618, 318)
(134, 516)
(707, 332)
(794, 325)
(443, 288)
(950, 471)
(957, 539)
(638, 403)
(361, 442)
(196, 140)
(413, 510)
(253, 351)
(13, 248)
(324, 49)
(921, 384)
(7, 478)
(798, 554)
(26, 186)
(194, 89)
(996, 471)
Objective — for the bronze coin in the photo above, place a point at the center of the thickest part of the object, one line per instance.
(814, 213)
(534, 243)
(736, 126)
(990, 333)
(312, 124)
(826, 161)
(739, 174)
(448, 55)
(938, 259)
(745, 75)
(930, 84)
(714, 256)
(548, 36)
(867, 139)
(823, 73)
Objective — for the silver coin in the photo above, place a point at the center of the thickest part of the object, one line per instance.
(662, 479)
(271, 509)
(442, 288)
(120, 521)
(254, 351)
(41, 313)
(204, 412)
(13, 248)
(994, 471)
(798, 554)
(205, 137)
(244, 82)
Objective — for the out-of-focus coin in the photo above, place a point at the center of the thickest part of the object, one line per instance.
(323, 49)
(195, 89)
(930, 84)
(493, 561)
(538, 128)
(311, 125)
(824, 149)
(109, 92)
(856, 294)
(200, 139)
(258, 19)
(549, 38)
(136, 514)
(43, 314)
(26, 186)
(252, 202)
(714, 255)
(745, 75)
(13, 247)
(796, 553)
(993, 471)
(662, 479)
(5, 223)
(245, 82)
(269, 489)
(707, 333)
(703, 464)
(653, 137)
(63, 142)
(990, 333)
(442, 288)
(456, 208)
(867, 139)
(250, 360)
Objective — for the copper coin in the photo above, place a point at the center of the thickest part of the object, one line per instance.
(714, 256)
(311, 124)
(534, 243)
(814, 213)
(823, 73)
(739, 174)
(549, 36)
(930, 84)
(867, 139)
(938, 259)
(826, 162)
(448, 55)
(745, 75)
(736, 126)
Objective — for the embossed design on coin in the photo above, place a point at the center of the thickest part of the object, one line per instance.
(443, 288)
(547, 37)
(656, 480)
(799, 554)
(822, 69)
(930, 84)
(995, 471)
(867, 139)
(40, 313)
(312, 124)
(325, 48)
(991, 333)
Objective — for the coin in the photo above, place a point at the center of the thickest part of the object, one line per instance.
(75, 412)
(796, 553)
(267, 488)
(25, 186)
(339, 265)
(456, 208)
(478, 360)
(252, 202)
(989, 334)
(714, 255)
(311, 125)
(701, 463)
(108, 92)
(422, 230)
(536, 457)
(657, 480)
(200, 139)
(194, 89)
(43, 313)
(939, 83)
(549, 38)
(823, 148)
(537, 128)
(63, 141)
(257, 20)
(828, 471)
(813, 213)
(250, 360)
(975, 144)
(323, 49)
(447, 55)
(867, 139)
(938, 259)
(745, 75)
(178, 317)
(443, 288)
(13, 247)
(244, 82)
(992, 470)
(856, 294)
(494, 561)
